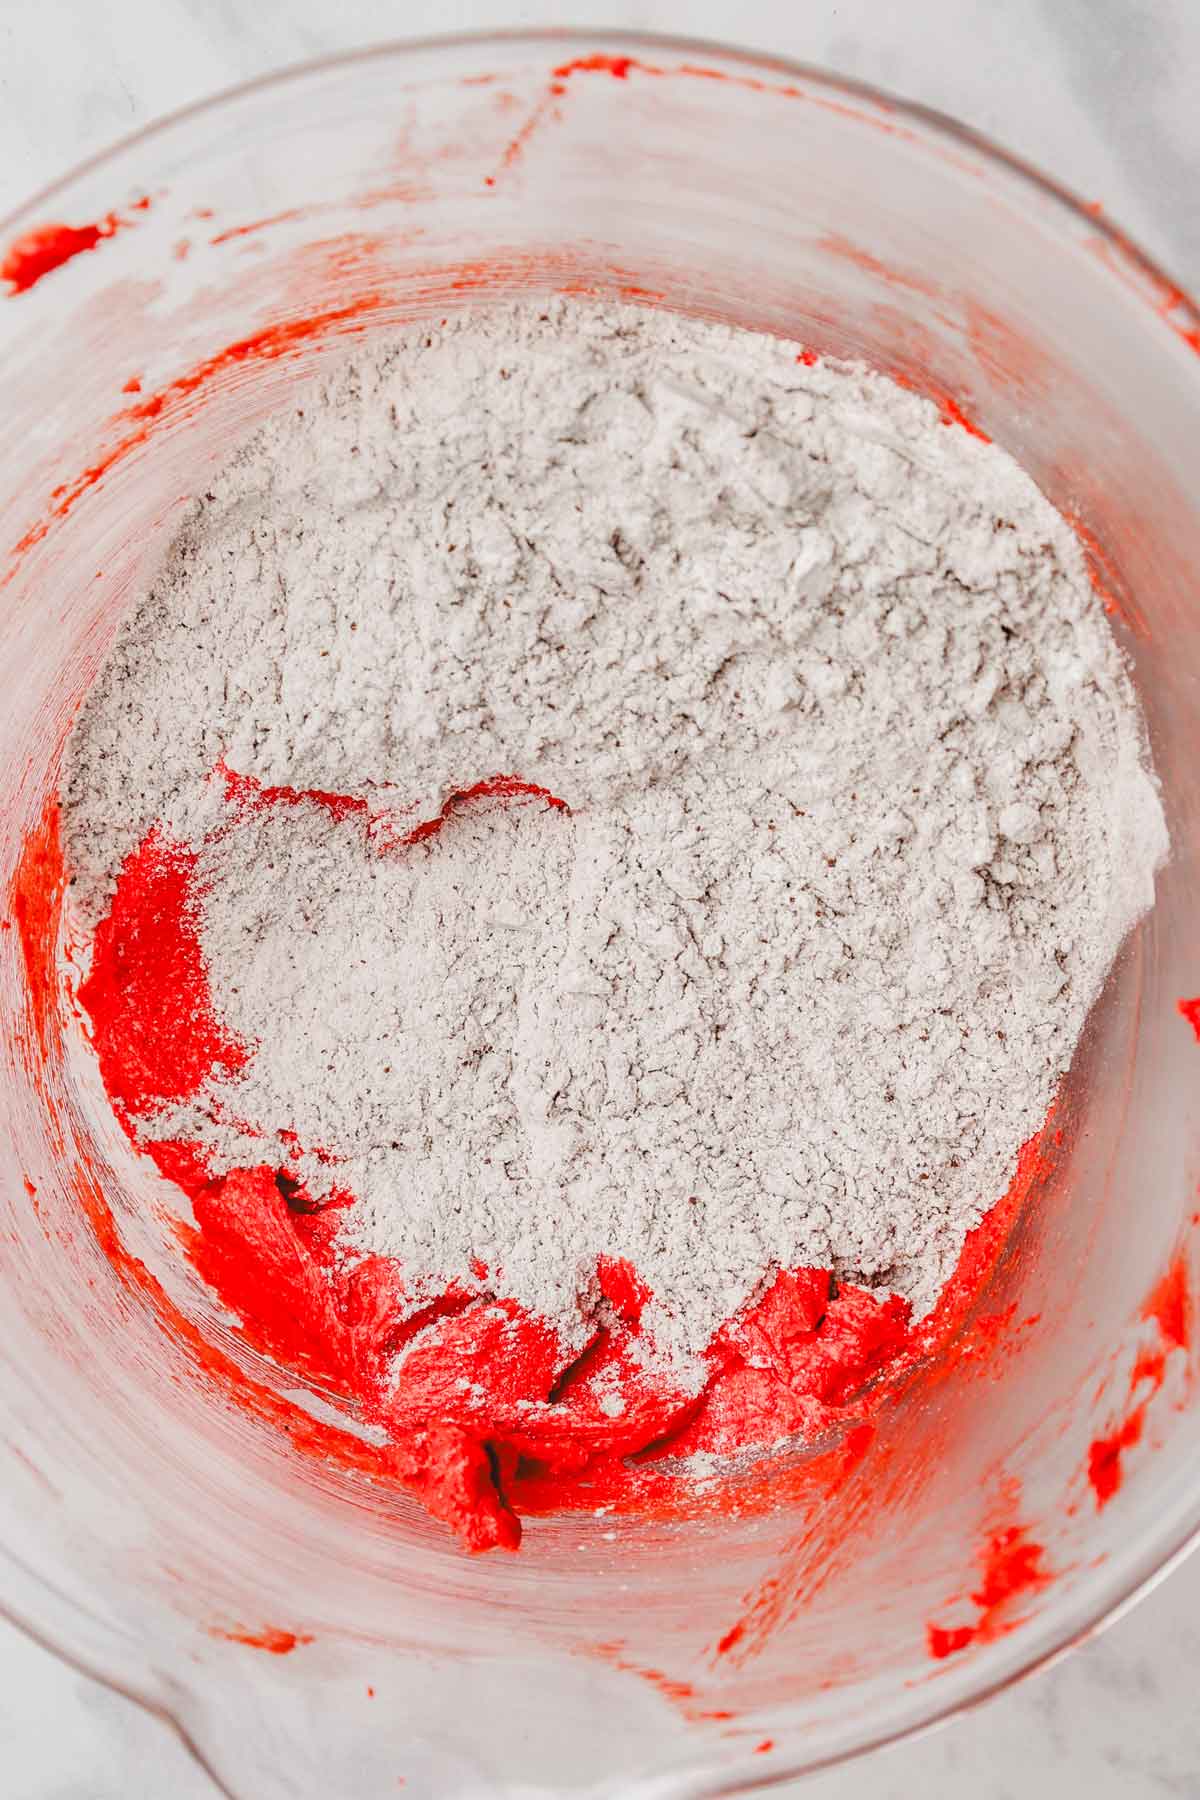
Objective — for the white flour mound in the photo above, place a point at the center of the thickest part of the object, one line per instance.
(859, 806)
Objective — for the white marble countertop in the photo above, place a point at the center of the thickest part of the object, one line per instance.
(1099, 93)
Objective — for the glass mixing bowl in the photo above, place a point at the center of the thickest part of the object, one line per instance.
(162, 1521)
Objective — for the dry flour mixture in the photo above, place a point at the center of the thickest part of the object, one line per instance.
(844, 810)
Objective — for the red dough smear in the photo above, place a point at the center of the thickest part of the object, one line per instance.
(48, 247)
(1011, 1566)
(155, 1031)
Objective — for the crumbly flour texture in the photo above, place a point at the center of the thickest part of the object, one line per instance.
(857, 808)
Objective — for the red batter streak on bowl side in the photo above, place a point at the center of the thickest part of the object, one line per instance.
(839, 246)
(277, 1643)
(252, 226)
(47, 247)
(867, 1475)
(1012, 1565)
(1105, 577)
(35, 902)
(134, 423)
(1120, 254)
(629, 68)
(1168, 1309)
(682, 1695)
(1190, 1010)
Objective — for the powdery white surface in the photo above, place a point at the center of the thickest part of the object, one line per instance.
(858, 807)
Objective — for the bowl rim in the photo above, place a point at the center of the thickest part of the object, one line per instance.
(1185, 310)
(1176, 310)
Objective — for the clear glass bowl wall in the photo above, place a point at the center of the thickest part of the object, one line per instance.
(141, 1516)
